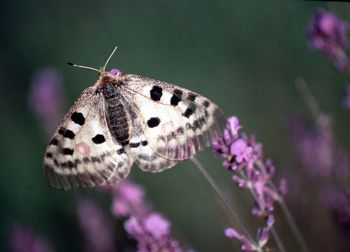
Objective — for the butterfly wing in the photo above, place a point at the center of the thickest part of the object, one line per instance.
(82, 152)
(140, 150)
(177, 122)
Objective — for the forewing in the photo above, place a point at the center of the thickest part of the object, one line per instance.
(81, 152)
(176, 121)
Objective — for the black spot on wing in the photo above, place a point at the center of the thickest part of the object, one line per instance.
(98, 139)
(125, 143)
(54, 141)
(48, 155)
(120, 151)
(61, 131)
(68, 164)
(144, 143)
(153, 122)
(134, 145)
(206, 103)
(156, 93)
(189, 111)
(68, 151)
(78, 118)
(96, 159)
(191, 97)
(180, 130)
(176, 98)
(69, 134)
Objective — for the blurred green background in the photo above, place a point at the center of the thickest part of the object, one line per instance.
(244, 55)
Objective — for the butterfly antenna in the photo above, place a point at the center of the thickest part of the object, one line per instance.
(85, 67)
(110, 56)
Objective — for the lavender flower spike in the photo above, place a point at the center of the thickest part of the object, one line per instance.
(152, 233)
(24, 240)
(46, 98)
(327, 33)
(97, 230)
(246, 244)
(149, 228)
(244, 157)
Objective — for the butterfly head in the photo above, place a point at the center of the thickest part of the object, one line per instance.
(112, 76)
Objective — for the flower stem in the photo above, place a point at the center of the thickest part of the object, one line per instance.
(294, 227)
(278, 241)
(222, 197)
(310, 100)
(275, 235)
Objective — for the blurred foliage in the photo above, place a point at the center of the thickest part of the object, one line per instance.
(245, 55)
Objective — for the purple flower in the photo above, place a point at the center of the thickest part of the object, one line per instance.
(24, 240)
(262, 236)
(316, 147)
(246, 244)
(241, 150)
(238, 151)
(96, 227)
(152, 233)
(127, 199)
(46, 98)
(337, 202)
(233, 125)
(157, 225)
(327, 33)
(149, 228)
(244, 157)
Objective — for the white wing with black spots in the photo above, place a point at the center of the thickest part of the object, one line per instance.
(176, 122)
(82, 152)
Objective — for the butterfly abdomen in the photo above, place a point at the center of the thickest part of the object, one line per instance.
(116, 114)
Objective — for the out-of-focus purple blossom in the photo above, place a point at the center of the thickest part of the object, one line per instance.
(157, 225)
(244, 157)
(338, 203)
(327, 33)
(46, 98)
(262, 236)
(96, 228)
(316, 147)
(127, 199)
(347, 97)
(152, 233)
(23, 239)
(149, 228)
(246, 244)
(283, 187)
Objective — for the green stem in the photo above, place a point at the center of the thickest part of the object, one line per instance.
(294, 227)
(223, 198)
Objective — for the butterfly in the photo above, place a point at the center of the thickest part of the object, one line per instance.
(123, 119)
